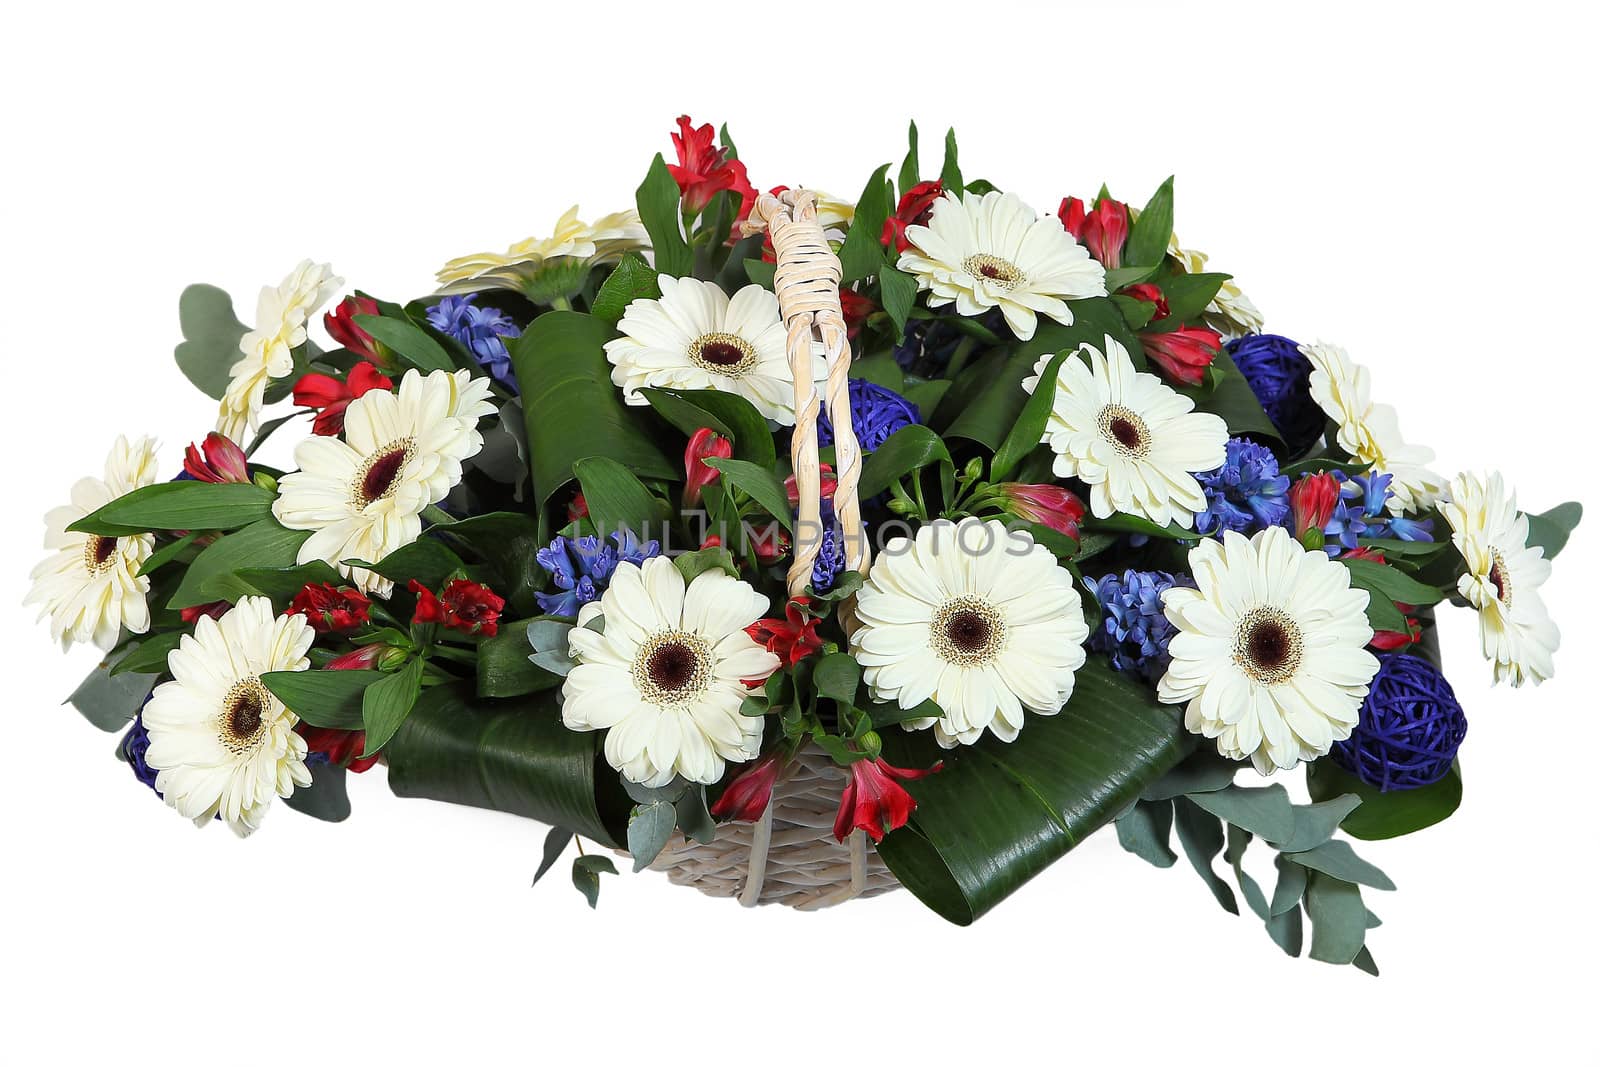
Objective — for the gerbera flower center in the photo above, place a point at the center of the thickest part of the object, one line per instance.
(1126, 431)
(672, 667)
(379, 474)
(968, 631)
(1268, 645)
(99, 553)
(727, 354)
(1498, 577)
(999, 272)
(243, 716)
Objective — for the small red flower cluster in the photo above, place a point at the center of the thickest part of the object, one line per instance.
(704, 170)
(331, 609)
(462, 605)
(914, 209)
(791, 638)
(329, 396)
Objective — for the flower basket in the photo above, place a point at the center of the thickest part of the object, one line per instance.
(805, 549)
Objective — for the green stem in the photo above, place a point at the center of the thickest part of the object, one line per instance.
(437, 515)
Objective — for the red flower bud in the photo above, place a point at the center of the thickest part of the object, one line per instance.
(1048, 505)
(331, 609)
(365, 658)
(704, 444)
(874, 801)
(747, 796)
(216, 610)
(223, 461)
(1103, 230)
(1184, 354)
(329, 396)
(791, 638)
(770, 543)
(1150, 294)
(341, 326)
(342, 747)
(856, 308)
(1312, 500)
(577, 508)
(830, 482)
(704, 170)
(914, 209)
(463, 605)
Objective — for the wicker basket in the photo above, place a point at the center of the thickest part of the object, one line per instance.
(790, 856)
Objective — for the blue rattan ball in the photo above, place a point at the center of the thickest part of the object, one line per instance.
(1280, 376)
(1411, 726)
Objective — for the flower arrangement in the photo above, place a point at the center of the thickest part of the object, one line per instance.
(1072, 540)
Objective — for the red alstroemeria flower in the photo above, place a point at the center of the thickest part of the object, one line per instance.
(914, 209)
(577, 508)
(1150, 294)
(704, 444)
(770, 542)
(462, 605)
(223, 461)
(330, 608)
(830, 482)
(1184, 354)
(216, 610)
(873, 801)
(365, 658)
(1388, 640)
(747, 796)
(1312, 500)
(341, 326)
(328, 396)
(791, 638)
(1048, 505)
(1103, 230)
(704, 170)
(856, 308)
(342, 747)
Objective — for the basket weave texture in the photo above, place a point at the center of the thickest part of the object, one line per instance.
(791, 856)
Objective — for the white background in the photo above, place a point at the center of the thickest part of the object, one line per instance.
(1412, 184)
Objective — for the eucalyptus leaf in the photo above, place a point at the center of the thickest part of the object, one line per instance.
(649, 827)
(1551, 529)
(1338, 919)
(108, 700)
(555, 843)
(1265, 812)
(211, 335)
(1145, 829)
(1200, 834)
(1291, 886)
(1338, 859)
(586, 870)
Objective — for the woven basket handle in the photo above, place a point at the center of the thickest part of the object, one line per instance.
(807, 284)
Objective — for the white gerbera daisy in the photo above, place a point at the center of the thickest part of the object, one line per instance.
(1502, 579)
(666, 677)
(364, 496)
(1371, 432)
(1270, 652)
(574, 240)
(694, 337)
(1230, 313)
(222, 743)
(993, 250)
(281, 315)
(975, 617)
(90, 586)
(1136, 442)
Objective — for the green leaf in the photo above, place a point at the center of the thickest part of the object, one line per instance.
(167, 553)
(211, 335)
(1146, 829)
(1229, 396)
(326, 798)
(910, 168)
(998, 813)
(761, 272)
(837, 676)
(387, 702)
(424, 559)
(1338, 859)
(1265, 812)
(555, 843)
(1392, 584)
(632, 279)
(648, 830)
(908, 449)
(1028, 432)
(1551, 529)
(1151, 233)
(1202, 772)
(861, 255)
(1287, 931)
(261, 544)
(408, 341)
(617, 500)
(1188, 295)
(899, 292)
(1122, 277)
(586, 870)
(693, 564)
(281, 584)
(728, 414)
(926, 395)
(694, 818)
(504, 666)
(187, 505)
(658, 200)
(149, 656)
(110, 700)
(330, 699)
(950, 173)
(508, 542)
(762, 486)
(1338, 919)
(1316, 823)
(1383, 815)
(572, 410)
(1201, 836)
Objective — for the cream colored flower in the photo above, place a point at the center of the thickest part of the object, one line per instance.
(1136, 442)
(976, 618)
(223, 745)
(575, 243)
(1371, 432)
(1502, 578)
(1230, 312)
(979, 252)
(364, 496)
(1270, 653)
(90, 585)
(281, 315)
(666, 674)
